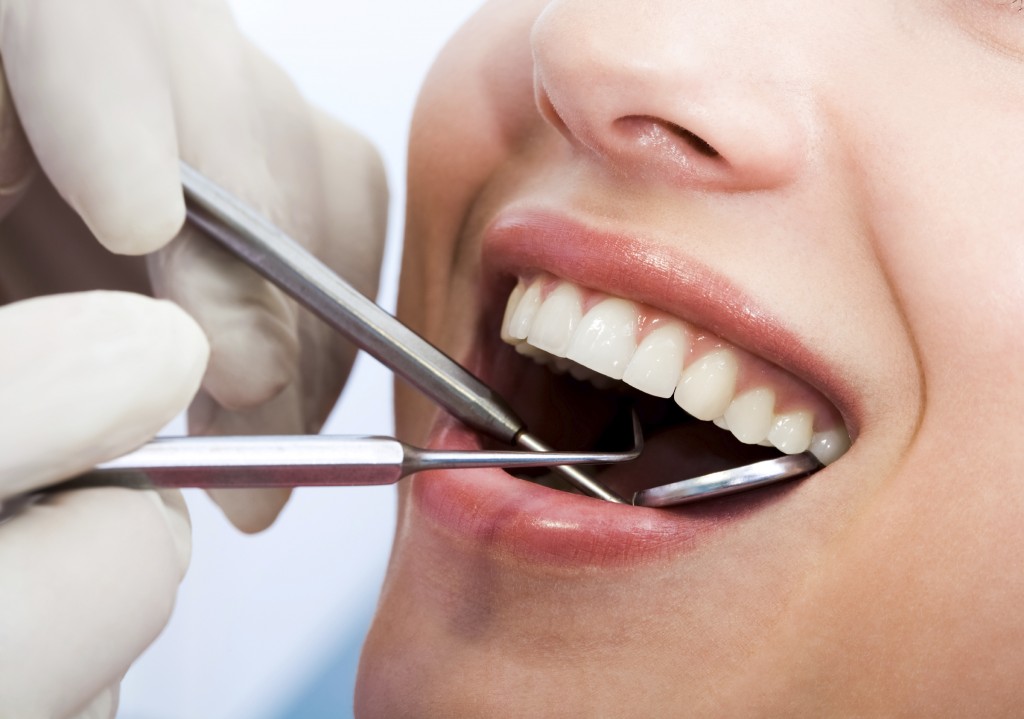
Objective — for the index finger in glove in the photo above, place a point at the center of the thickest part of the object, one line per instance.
(273, 369)
(90, 84)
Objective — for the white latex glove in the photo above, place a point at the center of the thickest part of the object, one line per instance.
(110, 93)
(87, 577)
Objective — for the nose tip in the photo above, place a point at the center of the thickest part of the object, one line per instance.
(671, 105)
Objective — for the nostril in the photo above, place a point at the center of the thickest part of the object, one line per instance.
(698, 144)
(651, 132)
(657, 128)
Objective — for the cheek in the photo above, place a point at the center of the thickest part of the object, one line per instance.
(472, 113)
(939, 157)
(950, 238)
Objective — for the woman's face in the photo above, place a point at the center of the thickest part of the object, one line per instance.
(802, 217)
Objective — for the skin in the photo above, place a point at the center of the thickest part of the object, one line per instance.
(870, 152)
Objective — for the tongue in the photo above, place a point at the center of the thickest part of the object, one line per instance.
(682, 452)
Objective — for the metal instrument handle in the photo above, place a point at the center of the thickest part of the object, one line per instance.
(225, 462)
(288, 265)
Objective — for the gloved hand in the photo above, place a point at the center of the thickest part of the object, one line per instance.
(110, 93)
(87, 577)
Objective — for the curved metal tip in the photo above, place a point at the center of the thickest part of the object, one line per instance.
(537, 454)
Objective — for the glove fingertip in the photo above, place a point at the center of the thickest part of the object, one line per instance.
(137, 210)
(251, 511)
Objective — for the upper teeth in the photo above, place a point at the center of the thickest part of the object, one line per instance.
(616, 339)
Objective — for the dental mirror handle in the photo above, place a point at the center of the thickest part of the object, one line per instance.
(288, 265)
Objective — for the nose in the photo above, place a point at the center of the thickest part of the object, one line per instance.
(669, 89)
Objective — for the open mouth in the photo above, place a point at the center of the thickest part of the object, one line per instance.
(602, 321)
(596, 323)
(705, 404)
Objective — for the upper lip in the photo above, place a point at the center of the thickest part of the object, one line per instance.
(628, 265)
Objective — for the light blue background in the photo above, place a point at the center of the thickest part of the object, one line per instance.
(270, 626)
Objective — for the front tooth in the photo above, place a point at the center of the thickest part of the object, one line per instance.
(830, 445)
(791, 433)
(749, 416)
(521, 319)
(606, 338)
(705, 388)
(556, 320)
(658, 361)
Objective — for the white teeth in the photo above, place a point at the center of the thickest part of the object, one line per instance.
(791, 433)
(706, 387)
(749, 416)
(606, 338)
(556, 320)
(601, 347)
(520, 320)
(658, 361)
(830, 445)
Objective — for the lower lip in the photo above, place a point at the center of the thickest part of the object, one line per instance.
(517, 519)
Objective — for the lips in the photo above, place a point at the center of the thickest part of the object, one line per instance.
(501, 514)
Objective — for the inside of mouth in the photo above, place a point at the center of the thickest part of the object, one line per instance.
(568, 400)
(574, 415)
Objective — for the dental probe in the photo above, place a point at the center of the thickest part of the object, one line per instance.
(296, 461)
(286, 264)
(304, 461)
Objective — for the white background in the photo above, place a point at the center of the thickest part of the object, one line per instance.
(260, 618)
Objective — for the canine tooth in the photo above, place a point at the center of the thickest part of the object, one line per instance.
(791, 432)
(521, 319)
(556, 320)
(510, 309)
(606, 338)
(705, 388)
(750, 415)
(658, 361)
(830, 445)
(720, 422)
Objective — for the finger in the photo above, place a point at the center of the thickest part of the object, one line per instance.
(89, 581)
(86, 377)
(251, 510)
(354, 193)
(251, 329)
(223, 106)
(242, 123)
(92, 92)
